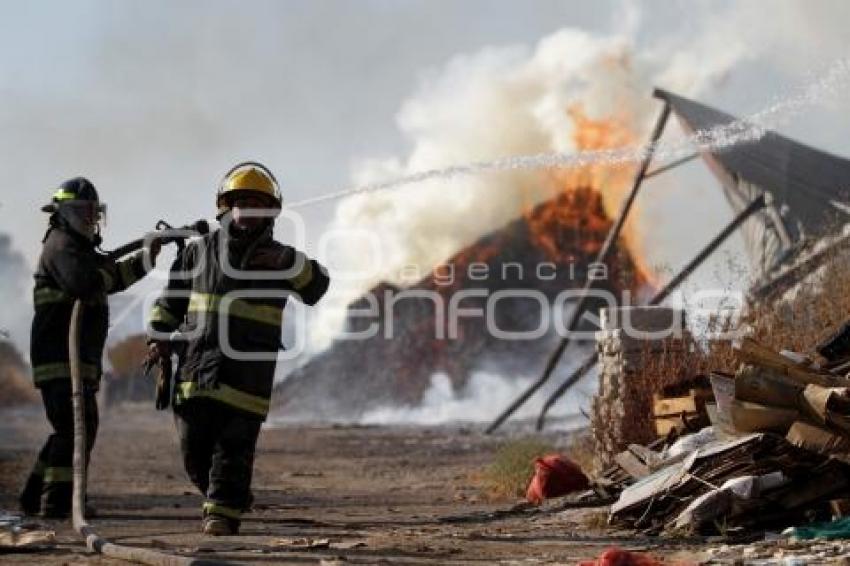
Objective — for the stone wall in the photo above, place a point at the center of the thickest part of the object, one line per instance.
(639, 349)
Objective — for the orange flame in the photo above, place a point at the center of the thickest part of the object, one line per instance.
(611, 181)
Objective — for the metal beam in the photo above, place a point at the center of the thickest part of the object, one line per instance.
(574, 378)
(602, 256)
(787, 278)
(671, 165)
(752, 208)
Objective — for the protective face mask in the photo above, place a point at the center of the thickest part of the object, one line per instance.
(82, 218)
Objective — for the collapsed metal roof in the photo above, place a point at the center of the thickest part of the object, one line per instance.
(809, 188)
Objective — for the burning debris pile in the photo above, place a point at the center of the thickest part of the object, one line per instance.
(416, 332)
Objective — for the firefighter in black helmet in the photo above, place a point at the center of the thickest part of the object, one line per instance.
(70, 268)
(225, 298)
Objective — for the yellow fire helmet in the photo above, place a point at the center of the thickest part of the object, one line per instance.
(249, 177)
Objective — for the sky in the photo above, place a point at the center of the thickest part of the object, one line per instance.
(154, 100)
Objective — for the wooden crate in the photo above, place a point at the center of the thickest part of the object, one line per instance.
(676, 413)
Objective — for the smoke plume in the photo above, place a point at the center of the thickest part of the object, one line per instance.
(504, 101)
(15, 285)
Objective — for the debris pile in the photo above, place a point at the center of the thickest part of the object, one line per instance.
(777, 453)
(18, 535)
(784, 393)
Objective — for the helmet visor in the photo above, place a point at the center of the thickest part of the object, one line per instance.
(84, 213)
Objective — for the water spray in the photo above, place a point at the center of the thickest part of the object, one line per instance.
(717, 139)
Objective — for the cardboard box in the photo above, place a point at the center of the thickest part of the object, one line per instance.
(817, 439)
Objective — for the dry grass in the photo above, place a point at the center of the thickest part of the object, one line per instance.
(675, 364)
(796, 322)
(581, 449)
(819, 305)
(513, 467)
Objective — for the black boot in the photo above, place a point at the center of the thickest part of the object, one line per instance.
(217, 526)
(30, 499)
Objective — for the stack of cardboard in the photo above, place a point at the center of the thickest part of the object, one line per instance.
(778, 453)
(785, 394)
(756, 480)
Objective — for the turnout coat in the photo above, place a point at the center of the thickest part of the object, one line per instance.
(70, 268)
(225, 316)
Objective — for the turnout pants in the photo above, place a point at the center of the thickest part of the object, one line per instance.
(218, 445)
(49, 485)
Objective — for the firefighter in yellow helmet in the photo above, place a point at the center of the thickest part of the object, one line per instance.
(248, 179)
(221, 313)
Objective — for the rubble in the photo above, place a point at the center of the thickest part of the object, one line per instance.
(17, 535)
(786, 552)
(777, 454)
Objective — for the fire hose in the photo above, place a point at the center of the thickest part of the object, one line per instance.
(94, 541)
(200, 228)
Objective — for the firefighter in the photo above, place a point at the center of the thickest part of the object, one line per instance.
(70, 268)
(221, 313)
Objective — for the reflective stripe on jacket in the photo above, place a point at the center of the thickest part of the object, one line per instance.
(69, 268)
(229, 315)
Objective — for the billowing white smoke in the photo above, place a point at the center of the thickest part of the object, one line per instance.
(484, 395)
(496, 103)
(15, 285)
(505, 101)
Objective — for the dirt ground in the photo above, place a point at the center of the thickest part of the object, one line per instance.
(360, 495)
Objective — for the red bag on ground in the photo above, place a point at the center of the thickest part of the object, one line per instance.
(555, 476)
(619, 557)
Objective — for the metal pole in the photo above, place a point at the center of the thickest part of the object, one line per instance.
(669, 166)
(774, 288)
(709, 249)
(601, 257)
(580, 372)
